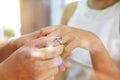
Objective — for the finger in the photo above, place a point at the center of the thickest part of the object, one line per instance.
(67, 63)
(68, 49)
(48, 64)
(65, 38)
(32, 35)
(50, 52)
(62, 68)
(55, 43)
(48, 30)
(45, 53)
(40, 41)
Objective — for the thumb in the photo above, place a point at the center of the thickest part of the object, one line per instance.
(50, 52)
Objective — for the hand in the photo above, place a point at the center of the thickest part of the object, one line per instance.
(90, 74)
(8, 48)
(101, 76)
(17, 43)
(31, 62)
(74, 38)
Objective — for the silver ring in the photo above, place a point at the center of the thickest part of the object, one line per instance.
(59, 39)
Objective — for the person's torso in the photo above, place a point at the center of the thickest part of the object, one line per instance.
(104, 23)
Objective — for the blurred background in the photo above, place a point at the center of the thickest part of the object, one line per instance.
(18, 17)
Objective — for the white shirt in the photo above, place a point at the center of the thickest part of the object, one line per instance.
(104, 23)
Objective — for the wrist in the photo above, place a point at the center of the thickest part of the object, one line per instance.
(96, 46)
(6, 50)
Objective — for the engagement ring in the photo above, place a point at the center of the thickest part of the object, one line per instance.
(59, 39)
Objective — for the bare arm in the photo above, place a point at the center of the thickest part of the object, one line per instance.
(68, 12)
(102, 62)
(74, 38)
(6, 50)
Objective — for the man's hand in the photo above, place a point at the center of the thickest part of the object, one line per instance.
(8, 48)
(31, 62)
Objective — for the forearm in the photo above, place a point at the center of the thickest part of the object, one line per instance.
(1, 76)
(101, 60)
(6, 50)
(1, 73)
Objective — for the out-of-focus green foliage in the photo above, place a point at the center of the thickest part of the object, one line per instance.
(21, 2)
(9, 33)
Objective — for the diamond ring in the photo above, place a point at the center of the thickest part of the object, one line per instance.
(59, 39)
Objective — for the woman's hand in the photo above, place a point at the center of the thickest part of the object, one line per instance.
(31, 62)
(74, 38)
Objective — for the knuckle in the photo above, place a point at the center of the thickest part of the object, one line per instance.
(43, 31)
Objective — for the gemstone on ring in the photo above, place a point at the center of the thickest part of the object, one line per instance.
(59, 39)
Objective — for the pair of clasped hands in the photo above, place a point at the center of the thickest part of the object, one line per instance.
(27, 58)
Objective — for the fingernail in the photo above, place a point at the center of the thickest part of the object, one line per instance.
(63, 69)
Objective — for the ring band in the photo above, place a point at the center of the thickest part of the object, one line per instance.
(59, 39)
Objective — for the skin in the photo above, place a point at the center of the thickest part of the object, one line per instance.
(93, 4)
(11, 47)
(68, 12)
(30, 62)
(15, 45)
(82, 39)
(101, 4)
(89, 41)
(8, 48)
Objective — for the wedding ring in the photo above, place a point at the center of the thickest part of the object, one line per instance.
(59, 39)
